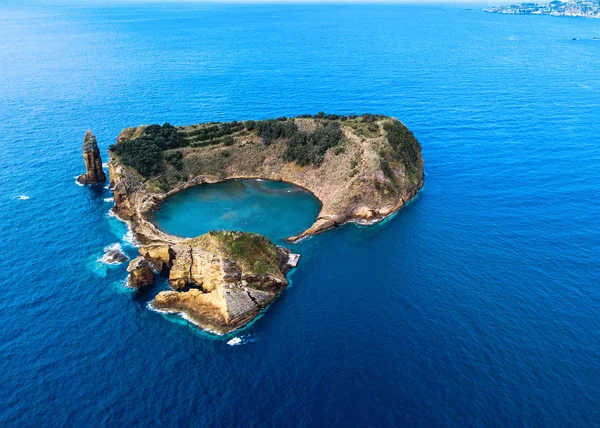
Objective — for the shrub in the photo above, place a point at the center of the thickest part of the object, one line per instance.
(175, 159)
(405, 145)
(145, 153)
(272, 130)
(141, 154)
(213, 131)
(259, 267)
(305, 148)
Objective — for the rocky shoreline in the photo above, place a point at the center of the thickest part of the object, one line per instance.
(222, 280)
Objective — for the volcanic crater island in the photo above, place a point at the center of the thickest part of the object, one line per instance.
(362, 169)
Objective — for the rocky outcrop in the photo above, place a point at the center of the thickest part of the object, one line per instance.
(226, 288)
(94, 174)
(160, 256)
(140, 273)
(113, 254)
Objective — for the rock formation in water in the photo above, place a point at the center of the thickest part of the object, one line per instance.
(114, 255)
(361, 168)
(94, 173)
(229, 277)
(140, 273)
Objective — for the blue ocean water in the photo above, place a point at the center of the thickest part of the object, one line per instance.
(477, 305)
(272, 208)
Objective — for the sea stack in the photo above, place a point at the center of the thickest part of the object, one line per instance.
(93, 162)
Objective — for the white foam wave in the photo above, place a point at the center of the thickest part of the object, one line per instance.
(105, 165)
(113, 247)
(184, 316)
(78, 183)
(235, 341)
(128, 237)
(109, 199)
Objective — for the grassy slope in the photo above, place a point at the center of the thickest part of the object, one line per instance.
(254, 253)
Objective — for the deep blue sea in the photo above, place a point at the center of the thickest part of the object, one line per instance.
(477, 305)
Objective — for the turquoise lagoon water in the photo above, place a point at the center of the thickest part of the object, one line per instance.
(477, 305)
(274, 209)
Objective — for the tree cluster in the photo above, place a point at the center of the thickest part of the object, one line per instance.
(403, 141)
(216, 130)
(175, 159)
(310, 148)
(272, 129)
(166, 136)
(141, 154)
(304, 148)
(145, 153)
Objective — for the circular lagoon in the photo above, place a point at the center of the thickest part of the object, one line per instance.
(272, 208)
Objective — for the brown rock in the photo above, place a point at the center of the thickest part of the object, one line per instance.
(140, 274)
(94, 173)
(223, 292)
(114, 255)
(161, 256)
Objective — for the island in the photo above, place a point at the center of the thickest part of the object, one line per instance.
(361, 168)
(577, 8)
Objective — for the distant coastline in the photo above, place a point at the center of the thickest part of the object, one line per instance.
(578, 8)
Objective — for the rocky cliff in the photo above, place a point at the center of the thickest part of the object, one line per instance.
(140, 273)
(361, 168)
(222, 280)
(94, 173)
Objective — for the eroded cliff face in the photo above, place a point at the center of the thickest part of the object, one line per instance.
(140, 273)
(363, 179)
(94, 174)
(220, 280)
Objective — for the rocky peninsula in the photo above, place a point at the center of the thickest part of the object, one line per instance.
(361, 168)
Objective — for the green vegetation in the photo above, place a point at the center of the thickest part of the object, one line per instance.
(406, 149)
(175, 159)
(252, 252)
(143, 155)
(304, 140)
(403, 142)
(273, 129)
(213, 133)
(145, 152)
(304, 148)
(310, 148)
(365, 125)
